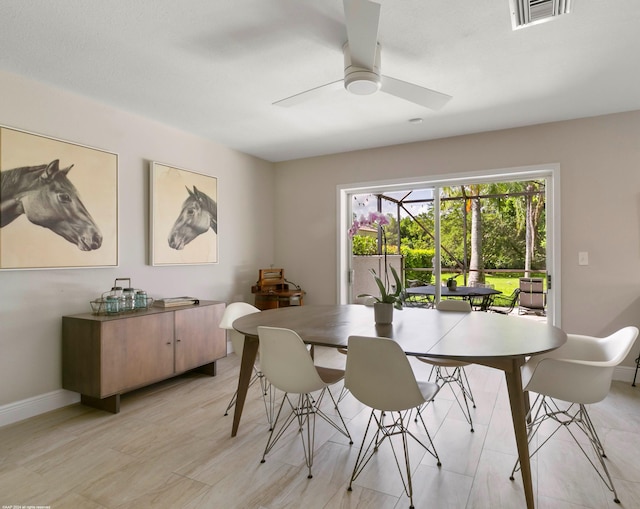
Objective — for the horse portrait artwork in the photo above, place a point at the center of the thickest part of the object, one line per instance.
(199, 213)
(46, 196)
(183, 225)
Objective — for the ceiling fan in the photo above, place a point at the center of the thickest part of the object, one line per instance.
(362, 63)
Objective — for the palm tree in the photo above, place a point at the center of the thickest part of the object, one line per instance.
(476, 261)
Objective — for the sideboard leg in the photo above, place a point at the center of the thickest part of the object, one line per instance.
(109, 404)
(208, 369)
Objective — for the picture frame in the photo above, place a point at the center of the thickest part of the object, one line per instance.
(58, 203)
(183, 216)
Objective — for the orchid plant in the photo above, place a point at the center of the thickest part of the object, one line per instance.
(387, 296)
(452, 277)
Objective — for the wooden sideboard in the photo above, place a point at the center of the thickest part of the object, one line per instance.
(106, 356)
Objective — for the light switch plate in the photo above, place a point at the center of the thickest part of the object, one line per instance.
(583, 258)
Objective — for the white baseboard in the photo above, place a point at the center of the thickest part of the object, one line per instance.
(30, 407)
(625, 374)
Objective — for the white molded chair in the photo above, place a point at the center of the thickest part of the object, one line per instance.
(380, 376)
(288, 365)
(449, 371)
(579, 373)
(454, 305)
(231, 313)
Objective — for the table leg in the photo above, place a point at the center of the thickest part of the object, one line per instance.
(249, 354)
(518, 403)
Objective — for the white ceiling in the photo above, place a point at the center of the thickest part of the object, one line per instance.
(214, 67)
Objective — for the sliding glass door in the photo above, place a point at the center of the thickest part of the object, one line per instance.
(493, 230)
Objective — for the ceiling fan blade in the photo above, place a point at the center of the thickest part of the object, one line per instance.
(414, 93)
(362, 18)
(310, 94)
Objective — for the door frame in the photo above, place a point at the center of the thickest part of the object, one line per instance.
(549, 172)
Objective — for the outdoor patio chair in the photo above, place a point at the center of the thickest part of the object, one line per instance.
(504, 304)
(481, 303)
(417, 301)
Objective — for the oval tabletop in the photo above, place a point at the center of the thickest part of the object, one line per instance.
(418, 331)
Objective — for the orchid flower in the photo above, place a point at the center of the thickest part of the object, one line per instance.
(374, 218)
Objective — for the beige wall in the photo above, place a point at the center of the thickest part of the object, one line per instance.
(599, 162)
(32, 302)
(287, 217)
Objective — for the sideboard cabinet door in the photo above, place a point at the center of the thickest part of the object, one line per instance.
(198, 338)
(138, 352)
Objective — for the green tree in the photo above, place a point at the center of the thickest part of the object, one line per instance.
(363, 245)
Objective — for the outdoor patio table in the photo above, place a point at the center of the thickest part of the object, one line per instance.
(464, 292)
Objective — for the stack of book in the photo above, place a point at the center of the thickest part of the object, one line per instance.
(176, 301)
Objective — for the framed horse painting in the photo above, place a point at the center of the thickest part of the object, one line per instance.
(58, 203)
(184, 216)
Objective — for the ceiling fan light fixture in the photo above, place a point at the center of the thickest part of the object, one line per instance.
(362, 82)
(362, 74)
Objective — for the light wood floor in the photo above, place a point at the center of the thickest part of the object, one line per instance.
(170, 447)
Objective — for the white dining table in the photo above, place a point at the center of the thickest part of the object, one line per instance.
(494, 340)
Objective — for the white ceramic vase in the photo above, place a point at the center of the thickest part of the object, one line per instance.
(383, 313)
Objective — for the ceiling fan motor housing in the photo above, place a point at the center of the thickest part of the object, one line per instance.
(360, 80)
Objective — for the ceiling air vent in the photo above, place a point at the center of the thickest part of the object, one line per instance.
(531, 12)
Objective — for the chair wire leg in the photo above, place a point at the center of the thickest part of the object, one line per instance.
(409, 486)
(268, 398)
(316, 406)
(304, 413)
(431, 449)
(343, 392)
(254, 378)
(371, 442)
(307, 425)
(309, 409)
(458, 377)
(533, 423)
(586, 425)
(279, 427)
(548, 409)
(365, 453)
(396, 426)
(466, 386)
